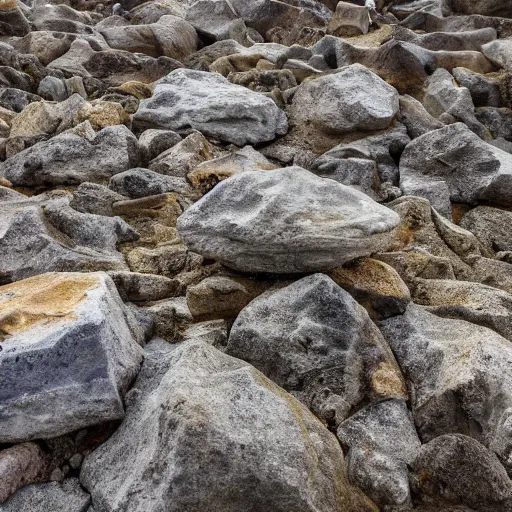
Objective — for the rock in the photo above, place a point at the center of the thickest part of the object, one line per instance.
(361, 100)
(349, 20)
(208, 173)
(473, 170)
(184, 156)
(171, 36)
(16, 100)
(143, 182)
(134, 286)
(46, 364)
(167, 260)
(102, 114)
(200, 422)
(170, 318)
(497, 120)
(443, 96)
(473, 302)
(491, 272)
(221, 296)
(316, 342)
(451, 369)
(65, 497)
(213, 106)
(499, 52)
(155, 142)
(12, 20)
(275, 231)
(31, 245)
(20, 465)
(95, 198)
(415, 118)
(485, 7)
(464, 470)
(491, 226)
(382, 443)
(71, 159)
(375, 285)
(484, 89)
(52, 89)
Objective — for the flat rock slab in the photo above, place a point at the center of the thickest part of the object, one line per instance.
(70, 349)
(204, 432)
(286, 220)
(187, 100)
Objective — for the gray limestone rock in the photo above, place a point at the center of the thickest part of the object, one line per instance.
(382, 442)
(473, 170)
(71, 159)
(315, 341)
(188, 413)
(458, 375)
(70, 346)
(285, 220)
(53, 496)
(188, 100)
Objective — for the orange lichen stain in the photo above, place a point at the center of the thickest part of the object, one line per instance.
(41, 299)
(387, 381)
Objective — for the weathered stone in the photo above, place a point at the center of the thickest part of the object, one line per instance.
(65, 497)
(69, 346)
(350, 100)
(102, 114)
(20, 465)
(349, 20)
(473, 170)
(167, 260)
(458, 374)
(485, 7)
(134, 286)
(71, 159)
(375, 285)
(382, 443)
(316, 342)
(212, 105)
(465, 471)
(201, 422)
(155, 142)
(285, 220)
(143, 182)
(416, 119)
(95, 198)
(485, 90)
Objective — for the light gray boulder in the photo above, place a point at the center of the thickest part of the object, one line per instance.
(30, 244)
(472, 169)
(484, 7)
(191, 446)
(499, 52)
(444, 96)
(71, 159)
(53, 496)
(285, 220)
(454, 468)
(416, 118)
(154, 142)
(70, 346)
(143, 182)
(313, 339)
(459, 377)
(353, 99)
(95, 198)
(187, 100)
(382, 442)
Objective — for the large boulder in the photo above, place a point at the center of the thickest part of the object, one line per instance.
(191, 447)
(471, 169)
(485, 7)
(71, 159)
(350, 100)
(285, 220)
(69, 346)
(314, 340)
(43, 234)
(459, 376)
(187, 100)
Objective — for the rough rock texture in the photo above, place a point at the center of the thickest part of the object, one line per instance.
(210, 104)
(282, 459)
(296, 222)
(43, 323)
(316, 342)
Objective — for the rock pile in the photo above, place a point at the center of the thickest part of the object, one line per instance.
(255, 256)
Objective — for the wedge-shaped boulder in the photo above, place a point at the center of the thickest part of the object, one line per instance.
(187, 100)
(313, 339)
(205, 431)
(459, 375)
(70, 349)
(285, 220)
(71, 159)
(472, 169)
